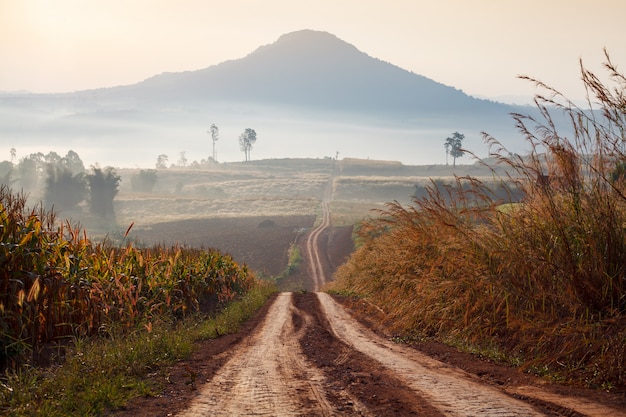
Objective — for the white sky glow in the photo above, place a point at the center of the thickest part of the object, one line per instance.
(478, 46)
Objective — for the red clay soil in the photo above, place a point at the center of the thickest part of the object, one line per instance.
(380, 391)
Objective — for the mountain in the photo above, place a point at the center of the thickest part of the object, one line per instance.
(311, 69)
(307, 94)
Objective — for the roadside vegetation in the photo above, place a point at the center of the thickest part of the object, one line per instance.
(109, 314)
(542, 282)
(100, 374)
(286, 281)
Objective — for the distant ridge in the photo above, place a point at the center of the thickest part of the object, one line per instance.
(308, 94)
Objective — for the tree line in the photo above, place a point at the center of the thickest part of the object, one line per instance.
(64, 181)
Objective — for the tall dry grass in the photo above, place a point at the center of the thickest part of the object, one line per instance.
(55, 283)
(543, 281)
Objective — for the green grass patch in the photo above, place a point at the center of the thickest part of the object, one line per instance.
(293, 265)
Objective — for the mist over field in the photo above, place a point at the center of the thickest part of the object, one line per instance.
(139, 143)
(308, 95)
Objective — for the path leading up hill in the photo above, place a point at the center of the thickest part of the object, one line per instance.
(305, 354)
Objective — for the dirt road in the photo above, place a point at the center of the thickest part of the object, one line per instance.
(310, 357)
(268, 375)
(316, 266)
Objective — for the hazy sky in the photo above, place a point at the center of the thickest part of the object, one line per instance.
(478, 46)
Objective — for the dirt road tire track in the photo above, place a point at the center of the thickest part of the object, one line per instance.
(266, 376)
(351, 372)
(447, 389)
(309, 357)
(316, 266)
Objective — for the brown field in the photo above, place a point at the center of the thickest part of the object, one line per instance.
(259, 242)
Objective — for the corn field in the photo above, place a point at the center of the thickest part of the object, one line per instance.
(55, 283)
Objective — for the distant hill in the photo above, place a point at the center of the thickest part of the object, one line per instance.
(309, 94)
(312, 69)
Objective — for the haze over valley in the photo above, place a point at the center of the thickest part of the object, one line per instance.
(307, 95)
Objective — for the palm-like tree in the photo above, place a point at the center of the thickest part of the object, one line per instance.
(215, 133)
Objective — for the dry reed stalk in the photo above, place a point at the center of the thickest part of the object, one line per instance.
(543, 279)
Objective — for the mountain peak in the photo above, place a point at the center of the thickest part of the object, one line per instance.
(308, 42)
(304, 34)
(315, 69)
(309, 37)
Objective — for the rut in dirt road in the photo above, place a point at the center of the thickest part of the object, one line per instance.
(442, 390)
(266, 376)
(447, 389)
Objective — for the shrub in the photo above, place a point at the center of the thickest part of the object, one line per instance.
(64, 190)
(144, 181)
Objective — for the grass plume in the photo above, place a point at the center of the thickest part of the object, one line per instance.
(544, 279)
